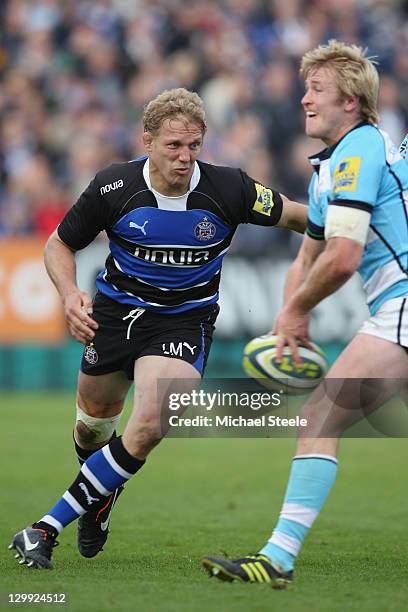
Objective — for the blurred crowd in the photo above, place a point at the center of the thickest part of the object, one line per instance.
(75, 75)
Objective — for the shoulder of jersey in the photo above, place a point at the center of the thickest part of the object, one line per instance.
(221, 172)
(365, 137)
(119, 172)
(224, 181)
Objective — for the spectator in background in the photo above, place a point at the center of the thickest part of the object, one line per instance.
(392, 117)
(75, 77)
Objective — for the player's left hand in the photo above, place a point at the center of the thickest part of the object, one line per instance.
(292, 329)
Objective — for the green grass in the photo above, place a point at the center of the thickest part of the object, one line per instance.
(203, 496)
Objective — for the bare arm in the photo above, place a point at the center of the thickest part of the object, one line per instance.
(294, 215)
(308, 253)
(315, 277)
(60, 264)
(334, 266)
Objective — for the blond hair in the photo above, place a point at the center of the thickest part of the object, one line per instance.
(355, 73)
(172, 104)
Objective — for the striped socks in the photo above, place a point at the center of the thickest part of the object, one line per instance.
(310, 482)
(103, 472)
(83, 454)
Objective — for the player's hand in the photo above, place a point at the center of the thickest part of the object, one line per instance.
(78, 314)
(292, 329)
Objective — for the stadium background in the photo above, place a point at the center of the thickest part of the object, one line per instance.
(74, 78)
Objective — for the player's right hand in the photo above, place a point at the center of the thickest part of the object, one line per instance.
(78, 314)
(292, 329)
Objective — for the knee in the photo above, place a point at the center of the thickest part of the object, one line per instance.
(84, 433)
(94, 430)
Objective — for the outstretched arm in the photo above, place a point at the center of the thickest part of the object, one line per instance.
(294, 215)
(60, 264)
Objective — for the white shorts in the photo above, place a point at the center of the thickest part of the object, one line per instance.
(389, 322)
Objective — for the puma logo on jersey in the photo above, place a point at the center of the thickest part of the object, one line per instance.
(140, 227)
(89, 498)
(111, 187)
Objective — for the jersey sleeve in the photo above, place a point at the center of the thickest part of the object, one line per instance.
(260, 205)
(315, 221)
(85, 219)
(357, 171)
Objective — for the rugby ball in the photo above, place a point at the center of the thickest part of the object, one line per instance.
(259, 362)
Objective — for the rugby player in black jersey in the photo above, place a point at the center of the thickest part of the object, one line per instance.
(170, 219)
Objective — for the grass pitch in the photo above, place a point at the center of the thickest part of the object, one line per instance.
(198, 497)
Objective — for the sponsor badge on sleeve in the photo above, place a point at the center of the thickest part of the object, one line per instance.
(264, 200)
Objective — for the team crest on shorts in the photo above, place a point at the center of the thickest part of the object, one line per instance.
(205, 230)
(90, 354)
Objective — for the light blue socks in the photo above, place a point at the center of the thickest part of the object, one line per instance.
(310, 482)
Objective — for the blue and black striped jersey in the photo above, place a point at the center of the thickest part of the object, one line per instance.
(166, 253)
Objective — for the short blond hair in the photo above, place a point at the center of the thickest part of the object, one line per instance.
(356, 74)
(171, 104)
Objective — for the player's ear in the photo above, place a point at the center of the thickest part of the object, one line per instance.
(147, 141)
(351, 104)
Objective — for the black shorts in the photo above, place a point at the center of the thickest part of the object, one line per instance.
(126, 333)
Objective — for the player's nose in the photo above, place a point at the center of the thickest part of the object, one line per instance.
(306, 98)
(185, 154)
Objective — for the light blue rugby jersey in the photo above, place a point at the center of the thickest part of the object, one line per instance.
(365, 170)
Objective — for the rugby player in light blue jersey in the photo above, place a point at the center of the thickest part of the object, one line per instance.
(170, 219)
(358, 220)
